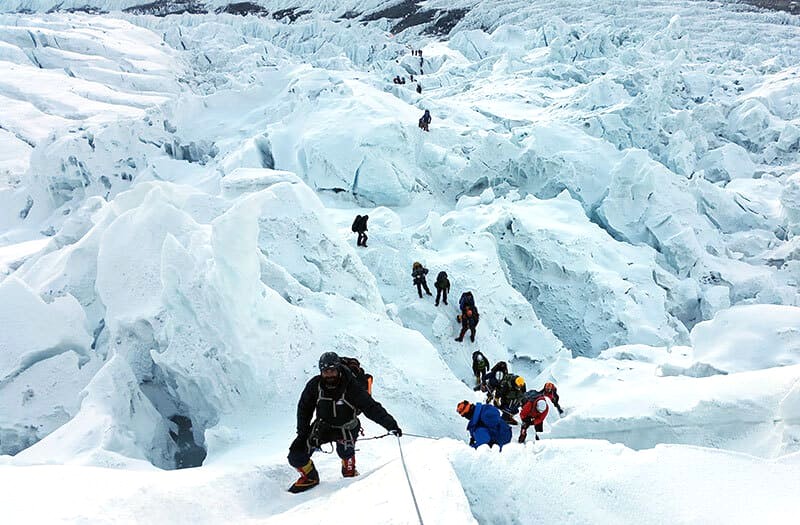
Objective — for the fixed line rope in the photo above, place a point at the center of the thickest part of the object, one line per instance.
(408, 478)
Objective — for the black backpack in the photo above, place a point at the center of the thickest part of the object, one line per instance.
(356, 223)
(441, 279)
(363, 378)
(531, 395)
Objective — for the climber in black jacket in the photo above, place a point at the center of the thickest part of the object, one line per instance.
(337, 398)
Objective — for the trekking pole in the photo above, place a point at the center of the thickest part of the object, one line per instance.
(408, 478)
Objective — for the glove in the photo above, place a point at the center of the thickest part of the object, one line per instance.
(397, 432)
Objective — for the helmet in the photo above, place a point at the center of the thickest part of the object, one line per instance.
(463, 407)
(328, 360)
(499, 375)
(549, 387)
(519, 381)
(541, 406)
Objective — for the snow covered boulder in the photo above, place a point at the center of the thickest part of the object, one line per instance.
(726, 163)
(44, 351)
(790, 199)
(751, 125)
(749, 337)
(248, 180)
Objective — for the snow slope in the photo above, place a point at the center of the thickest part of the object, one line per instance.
(617, 185)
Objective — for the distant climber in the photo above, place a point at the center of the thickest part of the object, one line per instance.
(411, 76)
(486, 426)
(533, 413)
(360, 227)
(442, 286)
(467, 300)
(419, 88)
(418, 272)
(336, 396)
(480, 365)
(551, 391)
(425, 120)
(469, 321)
(510, 396)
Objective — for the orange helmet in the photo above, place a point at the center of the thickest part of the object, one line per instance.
(463, 407)
(549, 387)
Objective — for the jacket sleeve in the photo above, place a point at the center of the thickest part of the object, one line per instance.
(555, 402)
(526, 411)
(306, 406)
(371, 408)
(424, 271)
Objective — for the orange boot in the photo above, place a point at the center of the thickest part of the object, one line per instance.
(309, 478)
(349, 467)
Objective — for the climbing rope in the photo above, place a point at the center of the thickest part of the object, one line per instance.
(408, 478)
(420, 436)
(375, 437)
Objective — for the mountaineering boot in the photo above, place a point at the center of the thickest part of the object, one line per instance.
(349, 467)
(309, 478)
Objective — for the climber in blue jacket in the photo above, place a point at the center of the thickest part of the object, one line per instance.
(486, 425)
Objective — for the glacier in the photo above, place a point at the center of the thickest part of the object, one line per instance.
(618, 185)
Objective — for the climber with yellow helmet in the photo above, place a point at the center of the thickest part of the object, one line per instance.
(509, 396)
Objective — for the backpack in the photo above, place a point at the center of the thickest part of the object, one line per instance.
(441, 280)
(363, 378)
(531, 395)
(356, 223)
(466, 300)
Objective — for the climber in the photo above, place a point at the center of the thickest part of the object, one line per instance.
(469, 320)
(396, 79)
(492, 380)
(418, 272)
(336, 397)
(419, 88)
(480, 365)
(442, 285)
(467, 300)
(534, 412)
(425, 120)
(510, 395)
(360, 226)
(485, 426)
(551, 392)
(411, 76)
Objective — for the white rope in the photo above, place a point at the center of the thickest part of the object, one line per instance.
(408, 478)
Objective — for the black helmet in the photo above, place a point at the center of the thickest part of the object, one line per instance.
(328, 360)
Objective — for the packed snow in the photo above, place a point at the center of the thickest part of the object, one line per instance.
(618, 185)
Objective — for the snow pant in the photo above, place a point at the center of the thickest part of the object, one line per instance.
(478, 373)
(464, 331)
(422, 285)
(362, 239)
(303, 446)
(441, 293)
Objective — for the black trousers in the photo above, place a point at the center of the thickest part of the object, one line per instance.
(362, 239)
(441, 293)
(422, 285)
(464, 331)
(303, 446)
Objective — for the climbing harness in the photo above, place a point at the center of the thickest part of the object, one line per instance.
(408, 478)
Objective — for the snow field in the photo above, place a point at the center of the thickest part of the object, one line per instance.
(617, 185)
